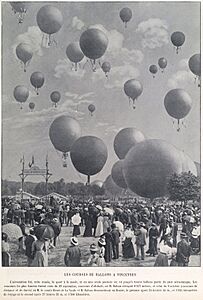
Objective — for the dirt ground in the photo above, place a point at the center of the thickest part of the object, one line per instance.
(56, 256)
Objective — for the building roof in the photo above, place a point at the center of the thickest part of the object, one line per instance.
(55, 195)
(28, 194)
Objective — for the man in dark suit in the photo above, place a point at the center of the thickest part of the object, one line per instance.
(73, 254)
(115, 241)
(183, 251)
(29, 239)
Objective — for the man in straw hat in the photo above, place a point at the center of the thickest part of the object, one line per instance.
(183, 251)
(73, 254)
(93, 259)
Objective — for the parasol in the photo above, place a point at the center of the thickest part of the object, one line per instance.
(109, 211)
(39, 206)
(119, 225)
(12, 230)
(44, 231)
(99, 207)
(76, 219)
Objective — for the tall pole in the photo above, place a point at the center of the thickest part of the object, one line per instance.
(22, 178)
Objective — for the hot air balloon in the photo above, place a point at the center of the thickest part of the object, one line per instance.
(106, 67)
(162, 62)
(91, 109)
(31, 106)
(88, 155)
(21, 93)
(178, 104)
(177, 39)
(63, 132)
(125, 139)
(133, 89)
(187, 164)
(195, 66)
(55, 97)
(49, 20)
(24, 53)
(153, 69)
(37, 80)
(117, 174)
(126, 15)
(19, 8)
(93, 43)
(148, 166)
(111, 187)
(74, 53)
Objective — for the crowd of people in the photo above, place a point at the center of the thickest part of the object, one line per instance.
(168, 232)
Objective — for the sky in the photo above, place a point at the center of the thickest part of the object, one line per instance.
(130, 52)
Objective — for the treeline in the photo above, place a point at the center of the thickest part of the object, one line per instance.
(10, 188)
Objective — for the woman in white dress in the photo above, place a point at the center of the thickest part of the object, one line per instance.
(100, 226)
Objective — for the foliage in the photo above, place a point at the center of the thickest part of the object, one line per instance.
(184, 187)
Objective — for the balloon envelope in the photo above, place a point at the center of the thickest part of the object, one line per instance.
(106, 67)
(74, 52)
(49, 19)
(55, 96)
(31, 105)
(21, 93)
(89, 155)
(148, 166)
(63, 132)
(195, 64)
(111, 187)
(177, 103)
(178, 38)
(162, 62)
(153, 69)
(37, 79)
(93, 43)
(125, 14)
(117, 174)
(98, 183)
(24, 52)
(133, 88)
(19, 6)
(91, 108)
(198, 167)
(125, 139)
(187, 164)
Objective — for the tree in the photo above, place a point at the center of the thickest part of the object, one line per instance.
(184, 187)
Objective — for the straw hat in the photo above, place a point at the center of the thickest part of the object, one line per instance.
(102, 241)
(74, 241)
(93, 248)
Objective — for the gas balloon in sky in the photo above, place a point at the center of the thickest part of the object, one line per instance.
(74, 54)
(195, 66)
(177, 39)
(24, 53)
(126, 15)
(91, 109)
(153, 69)
(37, 81)
(133, 89)
(55, 97)
(19, 8)
(21, 94)
(162, 62)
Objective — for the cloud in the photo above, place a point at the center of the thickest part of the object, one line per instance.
(180, 79)
(77, 23)
(71, 95)
(118, 76)
(154, 33)
(63, 68)
(33, 37)
(183, 64)
(102, 124)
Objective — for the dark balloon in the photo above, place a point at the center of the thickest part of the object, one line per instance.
(37, 80)
(153, 69)
(98, 183)
(177, 39)
(49, 19)
(91, 108)
(111, 187)
(31, 106)
(178, 104)
(21, 93)
(195, 64)
(106, 67)
(74, 53)
(126, 15)
(117, 174)
(162, 62)
(148, 167)
(93, 43)
(20, 8)
(187, 164)
(89, 155)
(133, 89)
(63, 132)
(125, 139)
(55, 97)
(24, 53)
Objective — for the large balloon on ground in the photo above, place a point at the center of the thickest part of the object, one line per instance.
(198, 167)
(93, 43)
(88, 155)
(98, 183)
(125, 139)
(117, 174)
(63, 132)
(178, 103)
(111, 187)
(133, 89)
(187, 164)
(148, 167)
